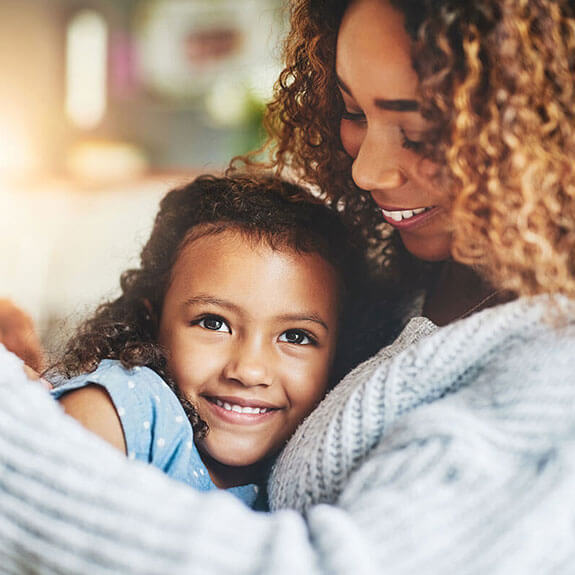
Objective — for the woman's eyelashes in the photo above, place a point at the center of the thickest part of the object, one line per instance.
(353, 116)
(409, 143)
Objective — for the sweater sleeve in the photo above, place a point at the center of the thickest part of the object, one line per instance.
(434, 501)
(70, 504)
(447, 458)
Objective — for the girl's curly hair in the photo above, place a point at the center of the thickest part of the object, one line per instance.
(497, 79)
(263, 209)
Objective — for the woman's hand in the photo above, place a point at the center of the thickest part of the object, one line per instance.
(18, 335)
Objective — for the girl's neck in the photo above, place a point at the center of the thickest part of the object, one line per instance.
(226, 476)
(458, 292)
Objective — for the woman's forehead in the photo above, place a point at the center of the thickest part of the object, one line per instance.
(374, 52)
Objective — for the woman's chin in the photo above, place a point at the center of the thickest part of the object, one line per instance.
(429, 248)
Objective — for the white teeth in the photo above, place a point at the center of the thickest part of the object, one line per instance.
(398, 215)
(239, 408)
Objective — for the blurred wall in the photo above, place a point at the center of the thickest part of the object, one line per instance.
(31, 72)
(66, 234)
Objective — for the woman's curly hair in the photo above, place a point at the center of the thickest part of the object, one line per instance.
(266, 210)
(497, 81)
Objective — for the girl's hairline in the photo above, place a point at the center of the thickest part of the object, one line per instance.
(259, 237)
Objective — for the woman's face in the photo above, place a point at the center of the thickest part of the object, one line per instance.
(382, 129)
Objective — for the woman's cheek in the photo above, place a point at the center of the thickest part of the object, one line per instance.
(351, 137)
(427, 169)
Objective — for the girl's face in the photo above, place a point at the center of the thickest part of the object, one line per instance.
(382, 128)
(250, 334)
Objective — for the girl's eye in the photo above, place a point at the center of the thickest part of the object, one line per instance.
(353, 116)
(214, 323)
(409, 144)
(297, 337)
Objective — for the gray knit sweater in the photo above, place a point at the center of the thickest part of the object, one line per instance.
(453, 451)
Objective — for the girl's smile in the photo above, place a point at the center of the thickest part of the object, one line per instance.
(241, 411)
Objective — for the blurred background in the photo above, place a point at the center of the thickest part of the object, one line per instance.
(104, 106)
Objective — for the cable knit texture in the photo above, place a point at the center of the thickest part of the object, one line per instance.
(451, 451)
(349, 422)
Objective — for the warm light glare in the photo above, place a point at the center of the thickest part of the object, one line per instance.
(86, 69)
(17, 157)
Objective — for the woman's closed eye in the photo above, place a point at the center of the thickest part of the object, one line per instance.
(411, 142)
(353, 116)
(297, 337)
(213, 323)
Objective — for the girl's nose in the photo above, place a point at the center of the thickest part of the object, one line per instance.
(249, 365)
(376, 166)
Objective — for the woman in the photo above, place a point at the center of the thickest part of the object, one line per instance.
(480, 128)
(452, 450)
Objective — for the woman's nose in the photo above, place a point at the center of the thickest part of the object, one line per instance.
(376, 166)
(248, 364)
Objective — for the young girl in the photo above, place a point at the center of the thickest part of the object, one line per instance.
(224, 339)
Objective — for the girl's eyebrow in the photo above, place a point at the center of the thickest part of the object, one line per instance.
(207, 299)
(313, 317)
(397, 105)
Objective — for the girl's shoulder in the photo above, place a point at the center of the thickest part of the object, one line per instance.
(139, 395)
(111, 373)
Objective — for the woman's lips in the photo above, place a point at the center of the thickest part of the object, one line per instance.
(404, 219)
